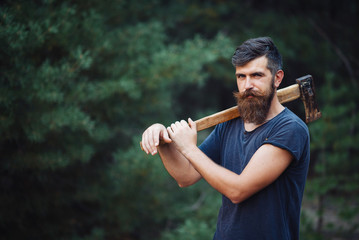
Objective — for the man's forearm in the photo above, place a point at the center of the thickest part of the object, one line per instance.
(266, 165)
(178, 166)
(220, 178)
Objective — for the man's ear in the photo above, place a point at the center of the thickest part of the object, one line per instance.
(278, 78)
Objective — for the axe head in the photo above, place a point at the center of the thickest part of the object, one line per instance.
(307, 94)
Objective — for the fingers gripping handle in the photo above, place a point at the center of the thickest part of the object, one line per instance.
(161, 143)
(211, 120)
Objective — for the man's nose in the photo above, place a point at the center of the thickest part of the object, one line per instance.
(248, 83)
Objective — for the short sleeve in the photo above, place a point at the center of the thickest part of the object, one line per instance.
(292, 136)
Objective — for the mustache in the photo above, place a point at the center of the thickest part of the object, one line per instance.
(248, 93)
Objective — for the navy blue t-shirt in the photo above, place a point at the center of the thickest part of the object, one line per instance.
(273, 212)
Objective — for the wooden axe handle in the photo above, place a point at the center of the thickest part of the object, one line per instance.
(284, 95)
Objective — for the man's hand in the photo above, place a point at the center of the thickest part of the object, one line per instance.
(183, 135)
(152, 136)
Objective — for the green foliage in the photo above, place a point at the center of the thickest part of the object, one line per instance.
(75, 90)
(191, 230)
(336, 153)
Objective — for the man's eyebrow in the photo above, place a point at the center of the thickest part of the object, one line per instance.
(257, 73)
(251, 74)
(238, 74)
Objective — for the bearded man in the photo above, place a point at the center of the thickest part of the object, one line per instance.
(258, 162)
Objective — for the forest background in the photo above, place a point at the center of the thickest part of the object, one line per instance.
(82, 79)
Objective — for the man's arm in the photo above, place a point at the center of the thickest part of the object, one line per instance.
(175, 163)
(266, 165)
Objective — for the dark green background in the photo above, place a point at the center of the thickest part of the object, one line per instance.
(82, 79)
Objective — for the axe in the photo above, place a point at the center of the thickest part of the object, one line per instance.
(303, 89)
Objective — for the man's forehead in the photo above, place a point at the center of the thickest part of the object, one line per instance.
(258, 64)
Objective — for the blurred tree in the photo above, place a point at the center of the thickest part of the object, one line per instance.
(78, 82)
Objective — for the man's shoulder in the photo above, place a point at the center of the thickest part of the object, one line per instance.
(289, 119)
(289, 132)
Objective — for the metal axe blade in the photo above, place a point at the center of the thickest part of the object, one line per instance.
(307, 95)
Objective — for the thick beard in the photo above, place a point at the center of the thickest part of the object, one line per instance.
(255, 109)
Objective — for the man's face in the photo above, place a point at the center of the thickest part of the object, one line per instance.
(256, 88)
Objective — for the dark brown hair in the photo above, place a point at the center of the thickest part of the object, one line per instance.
(258, 47)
